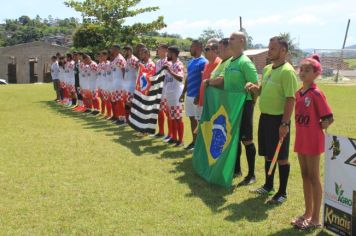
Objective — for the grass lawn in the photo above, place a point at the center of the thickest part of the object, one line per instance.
(74, 174)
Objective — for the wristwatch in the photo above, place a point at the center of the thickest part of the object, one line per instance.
(284, 124)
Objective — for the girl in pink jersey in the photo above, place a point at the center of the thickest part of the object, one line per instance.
(312, 116)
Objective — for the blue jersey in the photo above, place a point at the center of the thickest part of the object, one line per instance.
(195, 71)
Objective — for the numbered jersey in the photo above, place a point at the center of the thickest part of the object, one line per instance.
(311, 107)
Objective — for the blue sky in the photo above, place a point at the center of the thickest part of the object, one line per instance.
(313, 23)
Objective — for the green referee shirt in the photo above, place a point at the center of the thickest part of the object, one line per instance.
(277, 85)
(240, 71)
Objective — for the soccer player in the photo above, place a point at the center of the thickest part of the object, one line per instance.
(118, 64)
(192, 86)
(91, 76)
(55, 77)
(162, 51)
(131, 71)
(70, 79)
(277, 98)
(77, 82)
(62, 80)
(174, 88)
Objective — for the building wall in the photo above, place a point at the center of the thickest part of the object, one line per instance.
(260, 61)
(22, 53)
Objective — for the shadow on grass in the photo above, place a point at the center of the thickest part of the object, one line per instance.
(122, 135)
(292, 231)
(213, 196)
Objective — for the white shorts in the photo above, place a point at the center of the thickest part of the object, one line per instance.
(199, 112)
(191, 110)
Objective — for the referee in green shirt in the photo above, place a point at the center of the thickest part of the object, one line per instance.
(277, 97)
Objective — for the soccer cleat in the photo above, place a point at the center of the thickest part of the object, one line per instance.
(166, 139)
(179, 144)
(278, 198)
(119, 122)
(238, 174)
(172, 141)
(190, 147)
(247, 181)
(263, 191)
(158, 135)
(95, 112)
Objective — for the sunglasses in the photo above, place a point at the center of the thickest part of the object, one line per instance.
(207, 49)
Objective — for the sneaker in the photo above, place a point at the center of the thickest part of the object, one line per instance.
(278, 198)
(238, 174)
(247, 181)
(95, 112)
(172, 141)
(167, 138)
(158, 135)
(179, 144)
(263, 191)
(120, 122)
(87, 111)
(190, 147)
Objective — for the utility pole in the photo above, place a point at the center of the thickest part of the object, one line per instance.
(342, 52)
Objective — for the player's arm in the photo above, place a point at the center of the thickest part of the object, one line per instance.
(218, 82)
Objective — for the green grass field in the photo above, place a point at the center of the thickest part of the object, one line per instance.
(64, 173)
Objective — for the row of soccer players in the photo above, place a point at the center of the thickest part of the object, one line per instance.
(107, 86)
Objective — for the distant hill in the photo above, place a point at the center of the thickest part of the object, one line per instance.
(351, 47)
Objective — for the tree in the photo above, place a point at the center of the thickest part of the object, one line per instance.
(24, 20)
(210, 33)
(89, 37)
(293, 48)
(111, 16)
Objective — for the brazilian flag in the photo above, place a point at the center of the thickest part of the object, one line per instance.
(216, 145)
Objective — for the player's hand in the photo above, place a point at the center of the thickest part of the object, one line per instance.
(181, 98)
(251, 87)
(283, 131)
(324, 124)
(205, 83)
(196, 101)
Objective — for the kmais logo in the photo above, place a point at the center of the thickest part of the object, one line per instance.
(338, 218)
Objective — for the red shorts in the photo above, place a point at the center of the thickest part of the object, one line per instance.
(309, 141)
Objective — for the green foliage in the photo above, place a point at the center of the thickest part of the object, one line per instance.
(25, 30)
(89, 37)
(210, 33)
(111, 16)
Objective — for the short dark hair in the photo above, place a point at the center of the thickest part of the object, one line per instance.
(224, 41)
(85, 56)
(281, 41)
(103, 52)
(69, 55)
(163, 45)
(54, 58)
(174, 49)
(116, 46)
(199, 43)
(128, 48)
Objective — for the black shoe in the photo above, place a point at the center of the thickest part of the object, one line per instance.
(95, 112)
(278, 198)
(247, 181)
(179, 144)
(87, 111)
(190, 146)
(158, 135)
(172, 141)
(120, 122)
(238, 174)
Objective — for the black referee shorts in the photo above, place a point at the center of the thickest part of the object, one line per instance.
(268, 137)
(246, 127)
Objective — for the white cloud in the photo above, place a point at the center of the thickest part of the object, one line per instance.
(262, 21)
(305, 19)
